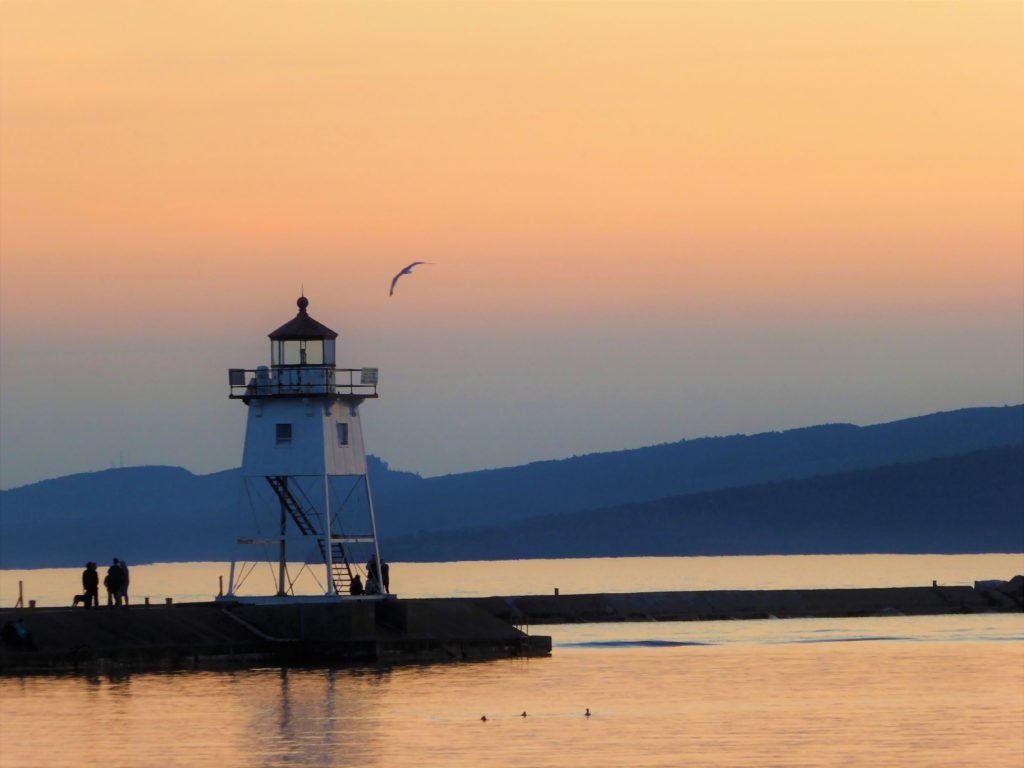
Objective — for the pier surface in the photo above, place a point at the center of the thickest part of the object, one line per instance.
(353, 631)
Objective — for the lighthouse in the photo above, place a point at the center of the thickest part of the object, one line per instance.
(306, 489)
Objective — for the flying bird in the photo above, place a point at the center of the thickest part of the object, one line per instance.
(406, 271)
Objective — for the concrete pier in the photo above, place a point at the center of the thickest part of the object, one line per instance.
(391, 631)
(217, 635)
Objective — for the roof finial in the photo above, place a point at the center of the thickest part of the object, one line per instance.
(302, 303)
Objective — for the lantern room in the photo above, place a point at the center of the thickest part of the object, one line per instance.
(302, 341)
(302, 363)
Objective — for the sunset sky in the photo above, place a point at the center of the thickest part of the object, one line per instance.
(648, 221)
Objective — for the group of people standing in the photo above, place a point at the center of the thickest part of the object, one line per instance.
(373, 586)
(116, 583)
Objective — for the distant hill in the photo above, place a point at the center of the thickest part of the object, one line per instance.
(148, 514)
(962, 504)
(143, 514)
(606, 479)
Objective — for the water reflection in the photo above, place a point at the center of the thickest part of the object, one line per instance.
(308, 716)
(912, 703)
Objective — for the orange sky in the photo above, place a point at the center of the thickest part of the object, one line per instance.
(171, 171)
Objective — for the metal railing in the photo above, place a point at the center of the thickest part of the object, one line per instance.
(301, 381)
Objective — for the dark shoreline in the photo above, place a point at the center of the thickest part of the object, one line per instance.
(416, 631)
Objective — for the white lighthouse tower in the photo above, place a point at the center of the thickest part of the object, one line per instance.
(304, 466)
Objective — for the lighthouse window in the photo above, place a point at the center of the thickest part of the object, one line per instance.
(342, 433)
(283, 433)
(288, 353)
(312, 352)
(299, 352)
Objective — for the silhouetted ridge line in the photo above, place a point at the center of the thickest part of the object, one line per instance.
(961, 504)
(154, 513)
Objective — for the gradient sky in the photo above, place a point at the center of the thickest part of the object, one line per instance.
(650, 221)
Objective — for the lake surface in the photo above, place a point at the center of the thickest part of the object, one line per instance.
(201, 581)
(884, 691)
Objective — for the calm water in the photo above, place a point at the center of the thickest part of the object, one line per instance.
(891, 691)
(200, 581)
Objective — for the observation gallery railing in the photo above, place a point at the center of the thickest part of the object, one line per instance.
(301, 381)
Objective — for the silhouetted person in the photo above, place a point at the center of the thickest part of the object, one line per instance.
(90, 587)
(372, 587)
(356, 587)
(113, 581)
(124, 584)
(381, 577)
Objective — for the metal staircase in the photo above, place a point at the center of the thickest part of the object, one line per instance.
(305, 519)
(341, 571)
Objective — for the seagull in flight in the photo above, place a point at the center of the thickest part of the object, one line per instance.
(406, 271)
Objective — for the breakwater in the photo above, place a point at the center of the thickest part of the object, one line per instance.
(393, 631)
(711, 605)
